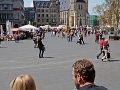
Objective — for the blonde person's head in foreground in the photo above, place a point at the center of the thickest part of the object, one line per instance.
(23, 82)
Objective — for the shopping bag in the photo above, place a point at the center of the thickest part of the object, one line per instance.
(108, 55)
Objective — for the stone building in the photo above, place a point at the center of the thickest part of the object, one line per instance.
(12, 10)
(74, 12)
(29, 13)
(47, 12)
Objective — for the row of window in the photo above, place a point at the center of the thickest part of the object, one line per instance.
(42, 10)
(6, 6)
(79, 7)
(46, 20)
(46, 15)
(6, 16)
(29, 9)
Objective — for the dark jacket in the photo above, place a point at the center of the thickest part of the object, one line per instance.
(40, 44)
(92, 87)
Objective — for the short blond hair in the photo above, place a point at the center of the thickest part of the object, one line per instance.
(106, 40)
(23, 82)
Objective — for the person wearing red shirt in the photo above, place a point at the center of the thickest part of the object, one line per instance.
(68, 36)
(101, 43)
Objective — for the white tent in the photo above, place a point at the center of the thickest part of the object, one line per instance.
(28, 27)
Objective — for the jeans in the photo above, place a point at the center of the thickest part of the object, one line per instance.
(101, 51)
(71, 37)
(41, 52)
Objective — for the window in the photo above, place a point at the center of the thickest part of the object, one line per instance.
(5, 7)
(81, 7)
(42, 20)
(0, 7)
(38, 20)
(46, 20)
(51, 15)
(42, 15)
(42, 10)
(54, 15)
(38, 15)
(46, 10)
(38, 10)
(46, 15)
(10, 16)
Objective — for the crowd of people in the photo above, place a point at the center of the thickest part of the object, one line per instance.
(69, 35)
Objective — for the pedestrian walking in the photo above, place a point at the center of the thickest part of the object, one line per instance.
(101, 44)
(106, 49)
(41, 47)
(96, 37)
(35, 41)
(68, 36)
(16, 38)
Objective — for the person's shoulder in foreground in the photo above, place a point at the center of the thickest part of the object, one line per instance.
(92, 87)
(83, 75)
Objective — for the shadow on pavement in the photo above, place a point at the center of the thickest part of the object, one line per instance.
(112, 60)
(48, 57)
(3, 47)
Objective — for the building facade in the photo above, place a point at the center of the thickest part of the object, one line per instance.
(93, 20)
(74, 12)
(12, 10)
(47, 12)
(29, 13)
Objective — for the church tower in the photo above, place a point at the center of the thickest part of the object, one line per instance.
(86, 4)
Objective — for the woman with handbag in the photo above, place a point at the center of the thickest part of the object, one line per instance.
(106, 49)
(41, 47)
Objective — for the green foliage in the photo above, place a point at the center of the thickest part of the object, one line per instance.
(26, 22)
(33, 23)
(49, 23)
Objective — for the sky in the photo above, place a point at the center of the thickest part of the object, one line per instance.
(92, 3)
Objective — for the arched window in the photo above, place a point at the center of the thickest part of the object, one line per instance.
(81, 6)
(78, 6)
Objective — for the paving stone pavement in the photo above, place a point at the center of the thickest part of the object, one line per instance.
(54, 71)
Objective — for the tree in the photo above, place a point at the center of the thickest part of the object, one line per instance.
(33, 23)
(109, 9)
(49, 23)
(26, 23)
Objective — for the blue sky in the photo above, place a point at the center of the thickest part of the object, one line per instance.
(92, 3)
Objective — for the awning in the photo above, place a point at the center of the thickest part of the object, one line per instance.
(15, 29)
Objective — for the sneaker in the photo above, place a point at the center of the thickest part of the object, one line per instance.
(102, 60)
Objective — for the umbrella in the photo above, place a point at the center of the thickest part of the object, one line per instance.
(28, 27)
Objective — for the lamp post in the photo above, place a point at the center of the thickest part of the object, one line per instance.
(1, 34)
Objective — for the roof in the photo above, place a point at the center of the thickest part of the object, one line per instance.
(43, 4)
(80, 1)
